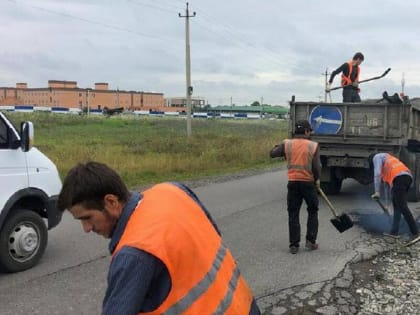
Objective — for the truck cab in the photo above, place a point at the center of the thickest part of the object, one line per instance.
(29, 187)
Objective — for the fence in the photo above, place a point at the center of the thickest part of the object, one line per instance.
(77, 111)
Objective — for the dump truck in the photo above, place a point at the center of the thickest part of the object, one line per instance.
(349, 133)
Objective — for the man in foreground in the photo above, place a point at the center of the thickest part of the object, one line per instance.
(303, 164)
(168, 256)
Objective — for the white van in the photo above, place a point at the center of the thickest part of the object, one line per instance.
(29, 187)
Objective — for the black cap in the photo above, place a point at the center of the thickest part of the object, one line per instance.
(302, 125)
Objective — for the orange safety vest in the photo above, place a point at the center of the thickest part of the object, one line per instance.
(346, 80)
(391, 168)
(173, 227)
(299, 154)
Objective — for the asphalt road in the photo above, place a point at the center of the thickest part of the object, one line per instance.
(251, 213)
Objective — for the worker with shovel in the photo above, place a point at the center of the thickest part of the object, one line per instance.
(397, 176)
(349, 78)
(304, 169)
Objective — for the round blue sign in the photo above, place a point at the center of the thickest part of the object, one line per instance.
(326, 120)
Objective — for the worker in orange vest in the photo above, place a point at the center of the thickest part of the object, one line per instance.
(397, 177)
(350, 72)
(304, 169)
(168, 256)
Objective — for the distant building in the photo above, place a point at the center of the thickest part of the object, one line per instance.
(67, 94)
(180, 103)
(274, 111)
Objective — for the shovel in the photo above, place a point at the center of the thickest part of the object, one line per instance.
(383, 207)
(341, 222)
(366, 80)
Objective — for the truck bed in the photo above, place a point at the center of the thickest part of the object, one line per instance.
(375, 122)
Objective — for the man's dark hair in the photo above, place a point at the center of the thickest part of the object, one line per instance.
(87, 184)
(301, 126)
(358, 55)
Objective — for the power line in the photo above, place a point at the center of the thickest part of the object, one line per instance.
(109, 26)
(155, 6)
(229, 32)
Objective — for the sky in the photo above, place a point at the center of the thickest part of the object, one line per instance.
(241, 51)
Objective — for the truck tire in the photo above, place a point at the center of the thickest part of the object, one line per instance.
(414, 191)
(333, 187)
(23, 239)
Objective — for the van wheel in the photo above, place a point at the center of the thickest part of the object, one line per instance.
(414, 191)
(23, 240)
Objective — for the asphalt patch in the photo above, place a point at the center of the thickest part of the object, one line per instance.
(379, 223)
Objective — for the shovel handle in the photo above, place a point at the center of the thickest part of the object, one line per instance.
(383, 207)
(412, 242)
(366, 80)
(328, 202)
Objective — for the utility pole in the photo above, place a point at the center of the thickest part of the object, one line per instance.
(326, 82)
(118, 97)
(402, 85)
(87, 102)
(188, 66)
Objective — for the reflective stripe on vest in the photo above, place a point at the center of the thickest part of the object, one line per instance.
(391, 168)
(346, 80)
(299, 154)
(173, 227)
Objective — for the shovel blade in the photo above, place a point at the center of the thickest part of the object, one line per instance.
(342, 222)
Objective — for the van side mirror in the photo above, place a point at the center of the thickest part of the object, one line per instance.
(26, 136)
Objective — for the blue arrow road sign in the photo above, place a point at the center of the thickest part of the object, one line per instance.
(326, 120)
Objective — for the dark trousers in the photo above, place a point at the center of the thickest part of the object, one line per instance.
(297, 192)
(400, 186)
(351, 95)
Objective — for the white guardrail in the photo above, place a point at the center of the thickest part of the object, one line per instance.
(64, 110)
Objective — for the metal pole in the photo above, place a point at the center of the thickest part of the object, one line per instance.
(118, 97)
(326, 82)
(402, 85)
(88, 105)
(189, 88)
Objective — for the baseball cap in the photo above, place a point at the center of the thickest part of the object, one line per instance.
(301, 125)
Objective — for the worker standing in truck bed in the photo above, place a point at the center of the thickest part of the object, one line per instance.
(350, 72)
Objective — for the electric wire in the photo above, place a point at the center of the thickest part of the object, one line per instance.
(109, 26)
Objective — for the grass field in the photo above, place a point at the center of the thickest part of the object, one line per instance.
(147, 150)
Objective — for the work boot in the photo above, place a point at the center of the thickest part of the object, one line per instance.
(294, 249)
(394, 232)
(311, 246)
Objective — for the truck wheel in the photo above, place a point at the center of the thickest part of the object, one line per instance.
(23, 239)
(414, 191)
(332, 187)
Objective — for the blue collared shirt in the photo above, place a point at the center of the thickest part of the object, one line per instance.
(137, 280)
(378, 162)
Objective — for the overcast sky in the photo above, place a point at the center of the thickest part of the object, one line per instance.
(241, 50)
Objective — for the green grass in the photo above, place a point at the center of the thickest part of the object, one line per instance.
(147, 150)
